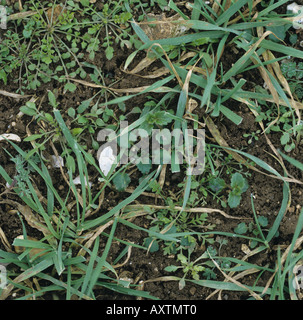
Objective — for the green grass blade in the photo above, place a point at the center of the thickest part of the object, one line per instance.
(275, 227)
(154, 234)
(96, 272)
(256, 160)
(63, 285)
(236, 88)
(231, 115)
(173, 6)
(35, 269)
(83, 173)
(292, 161)
(206, 26)
(187, 38)
(287, 50)
(175, 166)
(271, 7)
(297, 232)
(220, 285)
(137, 192)
(90, 267)
(226, 15)
(257, 222)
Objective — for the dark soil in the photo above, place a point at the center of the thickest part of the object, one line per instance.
(144, 266)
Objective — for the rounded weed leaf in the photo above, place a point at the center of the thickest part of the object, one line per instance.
(238, 183)
(121, 181)
(233, 200)
(217, 184)
(241, 228)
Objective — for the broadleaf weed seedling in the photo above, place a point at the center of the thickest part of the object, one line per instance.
(197, 269)
(211, 183)
(285, 123)
(50, 127)
(252, 136)
(54, 40)
(293, 72)
(174, 222)
(244, 228)
(41, 52)
(115, 20)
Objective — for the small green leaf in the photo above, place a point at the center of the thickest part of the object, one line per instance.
(70, 87)
(76, 131)
(71, 164)
(82, 120)
(99, 122)
(49, 117)
(181, 284)
(238, 183)
(3, 76)
(47, 60)
(95, 144)
(278, 31)
(27, 33)
(71, 112)
(121, 181)
(182, 258)
(109, 52)
(59, 68)
(151, 244)
(171, 268)
(33, 137)
(84, 105)
(85, 3)
(32, 67)
(217, 184)
(52, 99)
(65, 55)
(233, 200)
(293, 38)
(263, 221)
(285, 138)
(28, 111)
(144, 168)
(289, 147)
(83, 74)
(241, 228)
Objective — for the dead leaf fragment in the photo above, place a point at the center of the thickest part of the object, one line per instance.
(192, 105)
(54, 13)
(10, 136)
(33, 253)
(160, 27)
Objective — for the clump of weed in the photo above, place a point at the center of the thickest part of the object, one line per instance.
(52, 43)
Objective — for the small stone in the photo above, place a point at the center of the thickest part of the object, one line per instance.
(291, 210)
(192, 290)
